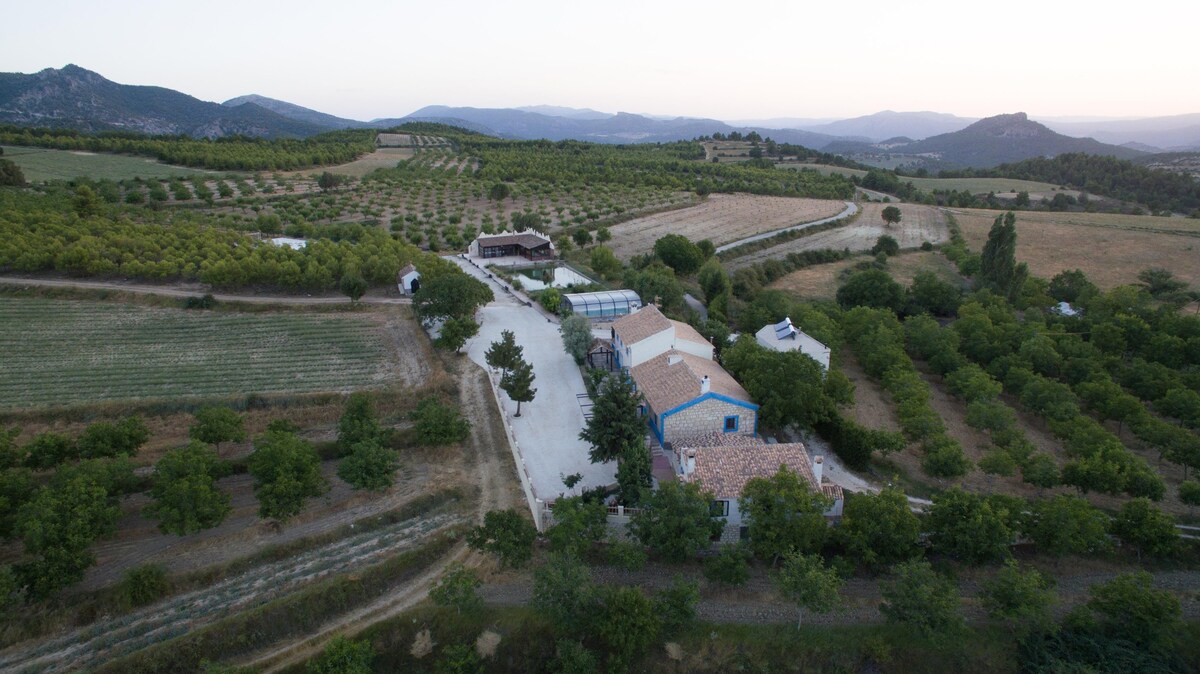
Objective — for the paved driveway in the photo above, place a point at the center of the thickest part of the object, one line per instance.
(547, 432)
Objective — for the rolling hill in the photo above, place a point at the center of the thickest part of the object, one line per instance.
(889, 124)
(989, 142)
(297, 112)
(72, 97)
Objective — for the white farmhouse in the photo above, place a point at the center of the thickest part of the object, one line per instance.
(723, 464)
(294, 244)
(784, 336)
(646, 333)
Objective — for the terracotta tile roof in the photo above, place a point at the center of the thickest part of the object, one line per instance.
(523, 239)
(725, 470)
(689, 334)
(667, 386)
(647, 321)
(717, 439)
(408, 269)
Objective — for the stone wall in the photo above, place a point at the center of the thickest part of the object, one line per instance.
(707, 417)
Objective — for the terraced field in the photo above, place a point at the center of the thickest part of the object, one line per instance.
(41, 164)
(59, 352)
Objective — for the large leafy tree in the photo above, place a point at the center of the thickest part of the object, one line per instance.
(880, 529)
(1067, 525)
(577, 524)
(679, 253)
(784, 514)
(185, 493)
(871, 288)
(1130, 608)
(1140, 524)
(358, 422)
(215, 425)
(969, 527)
(806, 581)
(58, 527)
(616, 422)
(286, 471)
(437, 424)
(103, 439)
(1020, 599)
(577, 336)
(788, 386)
(917, 596)
(506, 534)
(452, 295)
(369, 465)
(455, 332)
(458, 589)
(625, 624)
(563, 592)
(676, 521)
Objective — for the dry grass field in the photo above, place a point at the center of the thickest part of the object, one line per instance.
(385, 157)
(918, 224)
(721, 218)
(821, 281)
(1111, 249)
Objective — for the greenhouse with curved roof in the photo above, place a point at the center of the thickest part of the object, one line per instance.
(603, 304)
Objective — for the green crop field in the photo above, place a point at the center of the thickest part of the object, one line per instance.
(60, 352)
(41, 165)
(972, 185)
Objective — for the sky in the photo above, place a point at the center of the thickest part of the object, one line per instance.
(751, 59)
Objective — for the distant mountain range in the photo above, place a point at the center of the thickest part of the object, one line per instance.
(81, 99)
(77, 98)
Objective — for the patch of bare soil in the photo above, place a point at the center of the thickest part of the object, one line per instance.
(822, 281)
(872, 407)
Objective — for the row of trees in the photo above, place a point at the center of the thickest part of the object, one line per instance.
(224, 154)
(44, 232)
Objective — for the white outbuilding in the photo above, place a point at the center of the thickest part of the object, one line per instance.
(408, 280)
(783, 336)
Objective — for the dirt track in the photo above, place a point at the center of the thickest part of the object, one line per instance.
(196, 290)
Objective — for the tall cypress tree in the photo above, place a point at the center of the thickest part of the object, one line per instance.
(616, 422)
(998, 269)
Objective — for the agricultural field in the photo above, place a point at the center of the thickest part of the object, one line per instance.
(721, 218)
(1000, 186)
(727, 151)
(1110, 248)
(44, 165)
(917, 225)
(59, 352)
(384, 157)
(820, 282)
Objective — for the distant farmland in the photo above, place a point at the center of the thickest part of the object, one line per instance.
(41, 165)
(59, 352)
(972, 185)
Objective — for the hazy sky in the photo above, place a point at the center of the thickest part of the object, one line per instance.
(727, 60)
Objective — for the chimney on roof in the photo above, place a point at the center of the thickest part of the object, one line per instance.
(705, 385)
(674, 359)
(818, 469)
(689, 462)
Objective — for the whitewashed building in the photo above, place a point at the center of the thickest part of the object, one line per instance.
(783, 336)
(408, 280)
(647, 333)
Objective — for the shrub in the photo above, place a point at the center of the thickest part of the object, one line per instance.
(729, 567)
(145, 584)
